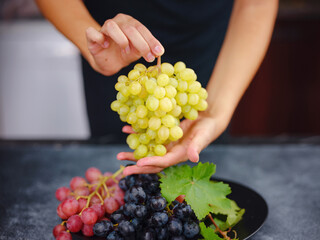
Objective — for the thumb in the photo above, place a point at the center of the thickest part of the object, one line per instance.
(198, 142)
(96, 40)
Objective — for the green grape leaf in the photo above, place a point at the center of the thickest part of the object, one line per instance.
(208, 233)
(200, 193)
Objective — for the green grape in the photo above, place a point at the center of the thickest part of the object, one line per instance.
(160, 113)
(134, 75)
(159, 141)
(123, 118)
(171, 92)
(202, 105)
(174, 82)
(143, 123)
(165, 104)
(141, 111)
(167, 68)
(121, 98)
(176, 133)
(163, 133)
(192, 114)
(159, 92)
(136, 128)
(193, 98)
(152, 103)
(160, 150)
(179, 66)
(174, 102)
(125, 91)
(137, 102)
(176, 111)
(152, 71)
(194, 87)
(133, 141)
(154, 123)
(143, 94)
(115, 105)
(140, 67)
(163, 80)
(133, 109)
(151, 134)
(186, 108)
(132, 118)
(150, 86)
(168, 121)
(119, 86)
(188, 75)
(143, 79)
(129, 103)
(144, 138)
(151, 145)
(124, 110)
(181, 98)
(150, 154)
(203, 94)
(135, 88)
(140, 152)
(182, 86)
(123, 78)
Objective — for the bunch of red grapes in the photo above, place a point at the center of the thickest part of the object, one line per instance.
(87, 201)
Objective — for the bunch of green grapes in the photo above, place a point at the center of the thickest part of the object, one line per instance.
(153, 101)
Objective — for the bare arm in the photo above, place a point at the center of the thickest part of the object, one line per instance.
(247, 39)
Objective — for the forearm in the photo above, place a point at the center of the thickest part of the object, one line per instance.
(246, 42)
(72, 19)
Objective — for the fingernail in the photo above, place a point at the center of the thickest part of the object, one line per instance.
(158, 50)
(150, 57)
(106, 44)
(127, 49)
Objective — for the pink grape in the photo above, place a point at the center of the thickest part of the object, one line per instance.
(61, 213)
(82, 204)
(95, 200)
(119, 196)
(89, 216)
(70, 207)
(110, 181)
(87, 230)
(57, 229)
(64, 236)
(77, 182)
(95, 185)
(111, 205)
(82, 191)
(74, 223)
(99, 209)
(93, 174)
(62, 193)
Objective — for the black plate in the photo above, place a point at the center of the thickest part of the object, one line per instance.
(253, 219)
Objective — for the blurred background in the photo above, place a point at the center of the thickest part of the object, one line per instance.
(41, 92)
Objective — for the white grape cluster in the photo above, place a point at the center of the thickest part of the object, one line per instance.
(153, 100)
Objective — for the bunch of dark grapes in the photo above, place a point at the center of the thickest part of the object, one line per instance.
(146, 214)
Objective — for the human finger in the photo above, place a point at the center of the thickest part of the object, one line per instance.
(141, 170)
(111, 29)
(138, 42)
(155, 46)
(96, 40)
(126, 156)
(127, 129)
(200, 140)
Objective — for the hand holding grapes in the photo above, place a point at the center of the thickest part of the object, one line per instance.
(121, 41)
(198, 134)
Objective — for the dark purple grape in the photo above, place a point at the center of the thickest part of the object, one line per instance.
(191, 229)
(141, 211)
(122, 184)
(162, 233)
(181, 237)
(175, 227)
(114, 236)
(152, 187)
(148, 234)
(126, 229)
(137, 195)
(129, 209)
(101, 229)
(117, 216)
(159, 219)
(182, 211)
(136, 223)
(157, 203)
(131, 180)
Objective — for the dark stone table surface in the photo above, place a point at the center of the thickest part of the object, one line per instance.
(286, 175)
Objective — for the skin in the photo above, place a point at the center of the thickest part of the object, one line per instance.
(122, 40)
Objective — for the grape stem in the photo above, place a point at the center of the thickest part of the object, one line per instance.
(224, 234)
(159, 63)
